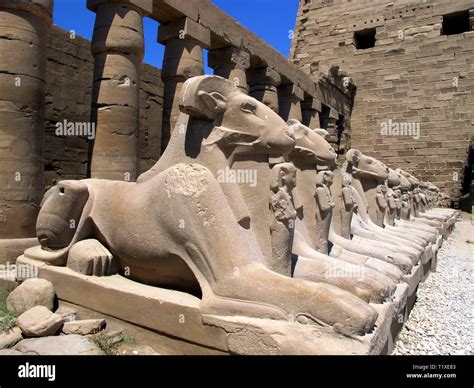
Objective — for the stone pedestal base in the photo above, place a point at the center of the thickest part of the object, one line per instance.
(176, 314)
(426, 269)
(400, 300)
(10, 249)
(425, 263)
(413, 278)
(434, 263)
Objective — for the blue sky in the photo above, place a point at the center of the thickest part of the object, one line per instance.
(270, 19)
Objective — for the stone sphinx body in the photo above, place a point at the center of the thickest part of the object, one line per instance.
(369, 285)
(178, 227)
(411, 248)
(444, 216)
(314, 206)
(422, 241)
(366, 183)
(347, 202)
(328, 212)
(431, 198)
(396, 218)
(366, 238)
(413, 214)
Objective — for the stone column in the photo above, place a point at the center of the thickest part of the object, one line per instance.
(344, 138)
(184, 40)
(264, 84)
(231, 63)
(310, 109)
(331, 127)
(23, 30)
(471, 19)
(290, 97)
(117, 46)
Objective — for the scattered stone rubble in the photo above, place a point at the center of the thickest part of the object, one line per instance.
(43, 330)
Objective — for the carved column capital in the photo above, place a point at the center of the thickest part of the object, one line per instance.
(310, 110)
(184, 29)
(231, 63)
(290, 97)
(39, 8)
(264, 76)
(229, 55)
(264, 84)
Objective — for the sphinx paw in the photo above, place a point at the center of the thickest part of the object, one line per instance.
(90, 257)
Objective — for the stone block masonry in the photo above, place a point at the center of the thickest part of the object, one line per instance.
(414, 106)
(69, 77)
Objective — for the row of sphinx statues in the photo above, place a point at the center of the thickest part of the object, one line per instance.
(307, 241)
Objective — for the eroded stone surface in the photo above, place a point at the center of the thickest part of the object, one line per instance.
(63, 345)
(10, 338)
(418, 140)
(39, 322)
(32, 292)
(68, 314)
(158, 242)
(84, 327)
(13, 352)
(209, 98)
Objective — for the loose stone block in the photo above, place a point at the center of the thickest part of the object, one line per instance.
(31, 293)
(63, 345)
(39, 322)
(10, 338)
(84, 327)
